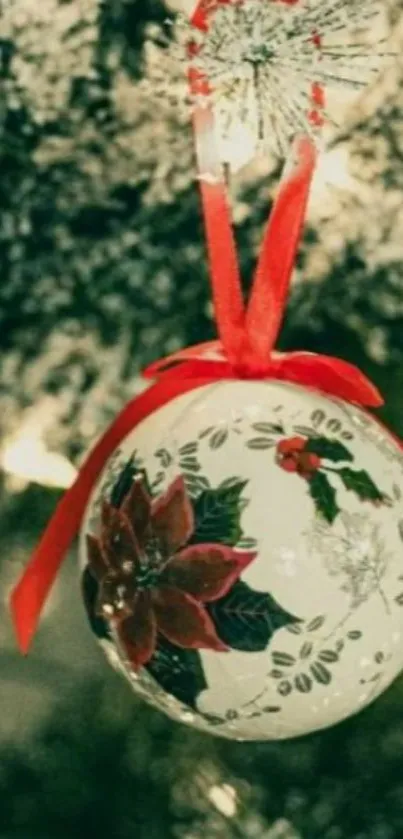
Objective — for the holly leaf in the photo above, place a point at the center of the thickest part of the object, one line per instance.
(361, 483)
(122, 486)
(89, 587)
(328, 449)
(217, 515)
(179, 672)
(324, 496)
(246, 620)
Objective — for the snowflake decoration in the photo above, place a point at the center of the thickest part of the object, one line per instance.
(270, 63)
(355, 552)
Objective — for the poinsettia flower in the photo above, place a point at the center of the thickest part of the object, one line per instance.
(151, 580)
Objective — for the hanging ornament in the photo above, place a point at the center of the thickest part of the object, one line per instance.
(266, 67)
(240, 548)
(241, 519)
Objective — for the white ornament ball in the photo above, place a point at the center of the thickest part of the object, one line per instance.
(243, 562)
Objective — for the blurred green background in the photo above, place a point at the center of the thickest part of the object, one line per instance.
(103, 269)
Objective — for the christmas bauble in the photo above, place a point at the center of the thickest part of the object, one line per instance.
(242, 559)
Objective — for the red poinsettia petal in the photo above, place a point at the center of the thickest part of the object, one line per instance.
(118, 541)
(138, 633)
(96, 559)
(137, 508)
(184, 621)
(207, 572)
(172, 517)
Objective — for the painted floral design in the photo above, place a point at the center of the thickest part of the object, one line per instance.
(311, 458)
(164, 575)
(356, 553)
(313, 662)
(152, 580)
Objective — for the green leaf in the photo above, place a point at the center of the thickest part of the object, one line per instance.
(90, 587)
(178, 671)
(306, 431)
(217, 515)
(268, 428)
(190, 464)
(218, 438)
(230, 482)
(303, 683)
(165, 457)
(317, 418)
(206, 432)
(189, 448)
(324, 496)
(328, 656)
(306, 650)
(283, 659)
(320, 673)
(195, 484)
(247, 544)
(334, 426)
(360, 483)
(260, 443)
(397, 492)
(246, 620)
(294, 628)
(123, 483)
(316, 623)
(328, 449)
(158, 480)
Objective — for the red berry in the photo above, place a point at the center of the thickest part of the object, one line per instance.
(291, 445)
(308, 464)
(289, 463)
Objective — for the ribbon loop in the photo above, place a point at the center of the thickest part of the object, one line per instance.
(277, 256)
(245, 349)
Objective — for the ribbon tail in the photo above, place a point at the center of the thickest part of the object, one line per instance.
(224, 269)
(32, 590)
(333, 376)
(277, 257)
(173, 361)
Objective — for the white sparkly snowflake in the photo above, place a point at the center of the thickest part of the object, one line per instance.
(267, 63)
(355, 552)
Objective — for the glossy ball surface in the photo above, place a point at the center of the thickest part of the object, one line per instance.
(242, 559)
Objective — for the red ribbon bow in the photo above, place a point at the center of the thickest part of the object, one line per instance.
(245, 351)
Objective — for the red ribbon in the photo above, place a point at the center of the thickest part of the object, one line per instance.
(245, 351)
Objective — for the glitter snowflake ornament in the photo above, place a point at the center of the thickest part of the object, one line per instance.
(270, 65)
(241, 519)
